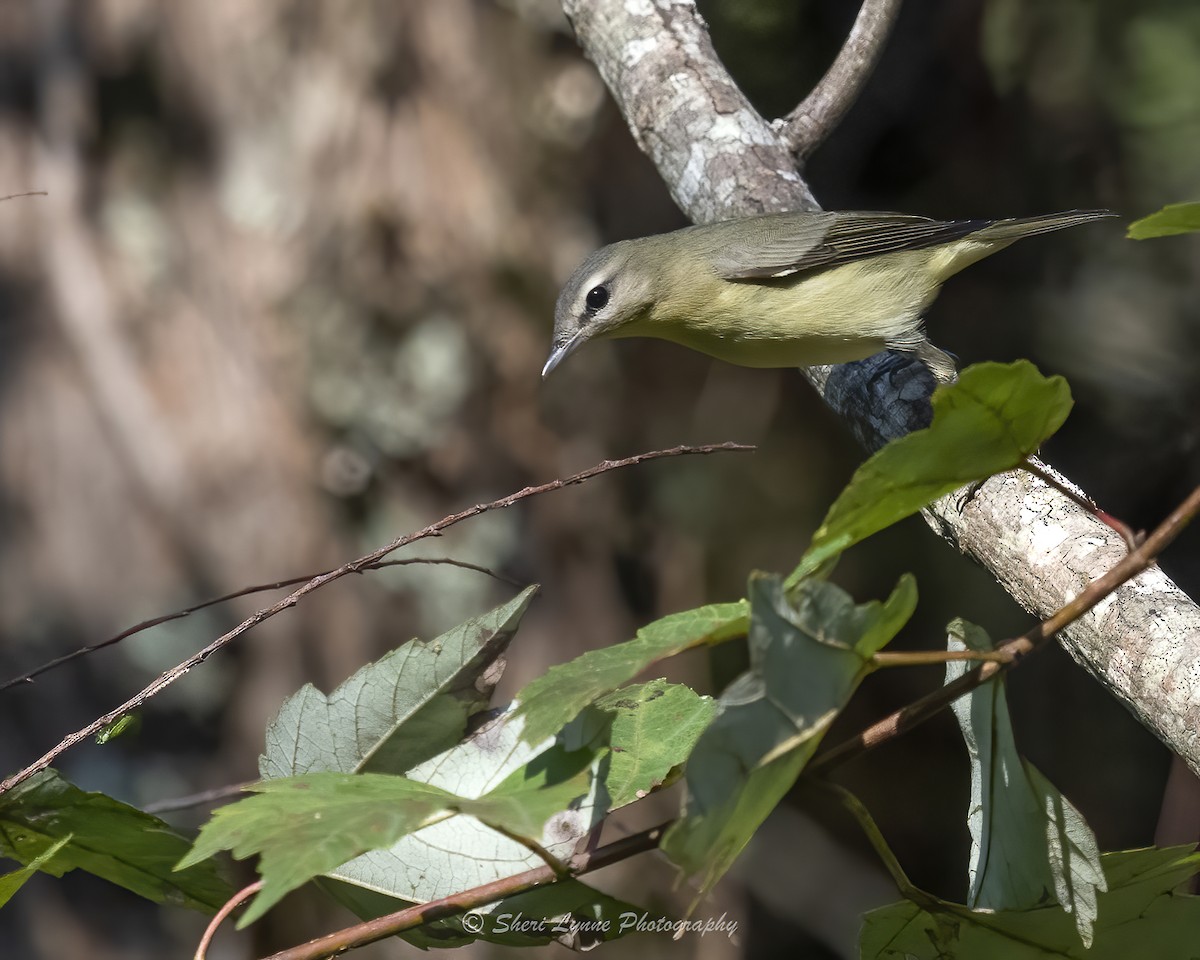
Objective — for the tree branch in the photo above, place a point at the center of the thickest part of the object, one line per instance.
(806, 127)
(720, 159)
(361, 934)
(29, 675)
(1012, 652)
(220, 916)
(355, 566)
(203, 798)
(717, 156)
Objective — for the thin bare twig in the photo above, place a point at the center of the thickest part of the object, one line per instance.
(355, 566)
(196, 799)
(361, 934)
(225, 598)
(210, 931)
(1015, 650)
(27, 193)
(806, 127)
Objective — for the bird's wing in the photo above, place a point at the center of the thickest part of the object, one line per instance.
(791, 243)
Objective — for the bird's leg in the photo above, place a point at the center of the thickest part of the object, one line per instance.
(970, 493)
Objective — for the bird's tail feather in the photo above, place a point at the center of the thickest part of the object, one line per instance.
(1014, 229)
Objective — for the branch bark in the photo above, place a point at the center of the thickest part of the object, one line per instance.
(721, 159)
(804, 129)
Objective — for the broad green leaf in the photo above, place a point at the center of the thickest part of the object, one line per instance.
(406, 707)
(10, 883)
(1175, 218)
(461, 852)
(647, 730)
(303, 827)
(650, 729)
(538, 794)
(1141, 914)
(988, 421)
(557, 697)
(1028, 843)
(105, 837)
(808, 653)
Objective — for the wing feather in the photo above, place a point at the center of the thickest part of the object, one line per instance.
(786, 244)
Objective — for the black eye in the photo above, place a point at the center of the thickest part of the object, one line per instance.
(597, 298)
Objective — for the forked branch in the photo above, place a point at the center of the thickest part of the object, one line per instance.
(807, 127)
(720, 159)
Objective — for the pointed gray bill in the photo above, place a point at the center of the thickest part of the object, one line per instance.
(561, 352)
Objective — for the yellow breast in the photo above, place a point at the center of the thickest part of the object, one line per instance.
(827, 316)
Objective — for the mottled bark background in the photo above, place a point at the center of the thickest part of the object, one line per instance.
(289, 296)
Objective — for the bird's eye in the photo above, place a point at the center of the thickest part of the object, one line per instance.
(597, 298)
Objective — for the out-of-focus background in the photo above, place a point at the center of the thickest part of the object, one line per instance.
(289, 296)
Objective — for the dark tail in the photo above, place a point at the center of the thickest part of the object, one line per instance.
(1016, 228)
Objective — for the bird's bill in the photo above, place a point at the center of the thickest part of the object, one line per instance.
(561, 352)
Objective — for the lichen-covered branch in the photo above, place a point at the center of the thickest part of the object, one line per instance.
(721, 159)
(717, 155)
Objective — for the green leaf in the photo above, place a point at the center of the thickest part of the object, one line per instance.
(460, 852)
(989, 420)
(647, 730)
(105, 837)
(1173, 219)
(808, 653)
(650, 730)
(531, 797)
(554, 699)
(10, 883)
(303, 827)
(1141, 910)
(128, 724)
(1028, 843)
(406, 707)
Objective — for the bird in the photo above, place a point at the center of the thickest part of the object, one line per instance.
(785, 289)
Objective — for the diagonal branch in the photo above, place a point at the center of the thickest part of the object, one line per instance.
(720, 159)
(806, 127)
(359, 935)
(1012, 652)
(354, 566)
(29, 675)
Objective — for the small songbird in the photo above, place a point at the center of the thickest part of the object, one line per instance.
(785, 289)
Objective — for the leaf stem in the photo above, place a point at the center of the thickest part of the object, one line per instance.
(924, 658)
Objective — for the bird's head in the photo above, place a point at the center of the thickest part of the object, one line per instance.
(608, 291)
